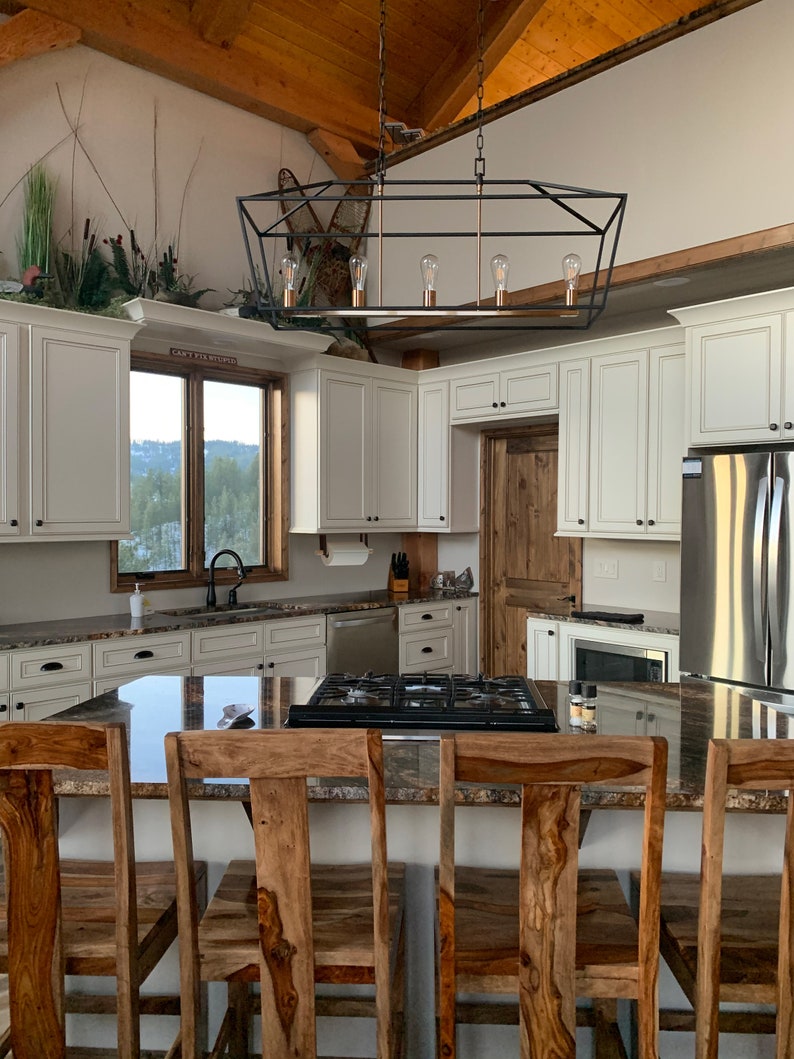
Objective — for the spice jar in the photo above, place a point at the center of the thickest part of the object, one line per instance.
(589, 699)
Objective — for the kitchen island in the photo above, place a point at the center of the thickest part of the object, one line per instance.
(688, 714)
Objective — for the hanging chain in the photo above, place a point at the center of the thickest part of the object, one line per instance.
(479, 161)
(382, 91)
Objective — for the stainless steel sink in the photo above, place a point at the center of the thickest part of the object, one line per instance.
(224, 613)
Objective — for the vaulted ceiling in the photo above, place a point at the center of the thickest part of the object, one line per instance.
(314, 67)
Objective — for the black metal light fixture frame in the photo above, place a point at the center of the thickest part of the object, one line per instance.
(266, 243)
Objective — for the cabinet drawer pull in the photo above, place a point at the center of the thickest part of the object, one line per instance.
(427, 650)
(427, 617)
(143, 654)
(51, 667)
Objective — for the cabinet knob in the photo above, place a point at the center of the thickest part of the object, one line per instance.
(19, 705)
(441, 518)
(651, 522)
(3, 708)
(271, 665)
(503, 404)
(39, 522)
(639, 521)
(495, 405)
(369, 518)
(550, 632)
(376, 519)
(261, 665)
(580, 521)
(458, 607)
(773, 426)
(14, 522)
(788, 425)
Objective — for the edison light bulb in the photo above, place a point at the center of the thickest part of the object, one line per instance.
(289, 275)
(358, 276)
(500, 269)
(429, 269)
(571, 267)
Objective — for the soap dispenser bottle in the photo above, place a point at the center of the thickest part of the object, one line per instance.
(136, 602)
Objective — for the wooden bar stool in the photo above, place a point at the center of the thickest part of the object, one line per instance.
(278, 919)
(548, 932)
(727, 938)
(113, 918)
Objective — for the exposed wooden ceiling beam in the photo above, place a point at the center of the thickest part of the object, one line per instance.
(30, 33)
(455, 81)
(158, 40)
(339, 154)
(219, 23)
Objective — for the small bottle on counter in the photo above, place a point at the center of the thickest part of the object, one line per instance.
(589, 699)
(137, 602)
(575, 703)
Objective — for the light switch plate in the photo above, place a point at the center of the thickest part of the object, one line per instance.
(606, 568)
(659, 570)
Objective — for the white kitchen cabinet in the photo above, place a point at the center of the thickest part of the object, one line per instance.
(64, 425)
(464, 625)
(622, 436)
(427, 637)
(10, 510)
(295, 647)
(48, 667)
(4, 706)
(542, 657)
(517, 391)
(5, 671)
(354, 438)
(35, 704)
(243, 642)
(568, 631)
(448, 474)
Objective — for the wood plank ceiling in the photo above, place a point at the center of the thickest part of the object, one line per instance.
(314, 66)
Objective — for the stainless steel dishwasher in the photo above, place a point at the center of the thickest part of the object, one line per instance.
(360, 641)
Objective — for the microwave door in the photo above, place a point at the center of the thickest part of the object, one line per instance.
(781, 625)
(724, 566)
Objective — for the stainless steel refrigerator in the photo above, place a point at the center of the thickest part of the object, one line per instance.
(736, 536)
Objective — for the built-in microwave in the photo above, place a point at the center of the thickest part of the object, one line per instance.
(597, 661)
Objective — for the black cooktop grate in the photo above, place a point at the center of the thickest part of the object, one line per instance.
(425, 701)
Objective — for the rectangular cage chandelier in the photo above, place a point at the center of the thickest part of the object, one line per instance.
(312, 273)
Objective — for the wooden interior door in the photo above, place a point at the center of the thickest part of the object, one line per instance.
(523, 566)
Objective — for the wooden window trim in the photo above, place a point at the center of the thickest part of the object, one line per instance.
(276, 483)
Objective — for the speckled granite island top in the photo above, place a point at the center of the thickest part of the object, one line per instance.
(687, 714)
(107, 626)
(659, 621)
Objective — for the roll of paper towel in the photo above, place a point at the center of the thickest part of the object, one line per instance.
(346, 553)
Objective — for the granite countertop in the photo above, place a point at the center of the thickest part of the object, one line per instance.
(687, 714)
(659, 621)
(108, 626)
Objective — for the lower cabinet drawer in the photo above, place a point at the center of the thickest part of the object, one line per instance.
(5, 670)
(429, 652)
(287, 633)
(41, 667)
(132, 656)
(246, 640)
(425, 616)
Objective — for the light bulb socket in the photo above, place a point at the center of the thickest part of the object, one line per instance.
(571, 295)
(500, 297)
(289, 298)
(429, 299)
(358, 298)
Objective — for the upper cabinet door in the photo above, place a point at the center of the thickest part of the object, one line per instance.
(666, 438)
(736, 376)
(393, 451)
(345, 438)
(79, 435)
(574, 447)
(10, 502)
(433, 509)
(618, 437)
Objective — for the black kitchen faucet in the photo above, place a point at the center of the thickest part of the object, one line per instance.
(241, 572)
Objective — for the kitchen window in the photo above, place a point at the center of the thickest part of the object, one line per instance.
(207, 471)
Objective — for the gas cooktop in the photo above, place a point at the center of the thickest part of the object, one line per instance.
(426, 701)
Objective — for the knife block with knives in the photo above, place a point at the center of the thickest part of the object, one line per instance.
(398, 574)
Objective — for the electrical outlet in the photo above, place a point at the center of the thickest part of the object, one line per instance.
(606, 568)
(659, 570)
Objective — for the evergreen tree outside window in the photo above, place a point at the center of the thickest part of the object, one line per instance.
(207, 472)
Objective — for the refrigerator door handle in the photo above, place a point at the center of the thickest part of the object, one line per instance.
(759, 569)
(775, 523)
